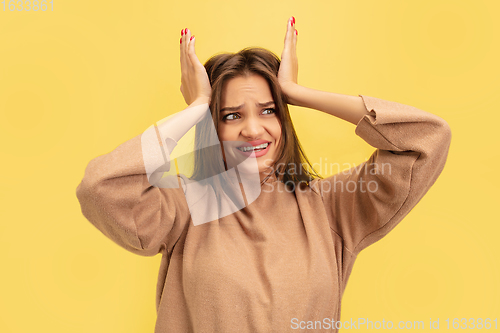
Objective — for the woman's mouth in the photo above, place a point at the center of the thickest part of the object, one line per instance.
(255, 151)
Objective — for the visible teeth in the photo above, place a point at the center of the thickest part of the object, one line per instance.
(262, 146)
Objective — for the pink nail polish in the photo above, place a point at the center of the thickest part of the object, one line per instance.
(181, 40)
(191, 37)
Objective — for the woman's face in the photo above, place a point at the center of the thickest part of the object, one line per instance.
(248, 116)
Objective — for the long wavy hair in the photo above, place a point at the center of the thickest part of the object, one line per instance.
(291, 165)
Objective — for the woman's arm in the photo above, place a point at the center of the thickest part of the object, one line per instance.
(119, 194)
(364, 203)
(117, 197)
(349, 108)
(124, 195)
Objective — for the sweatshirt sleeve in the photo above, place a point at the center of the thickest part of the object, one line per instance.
(119, 194)
(366, 202)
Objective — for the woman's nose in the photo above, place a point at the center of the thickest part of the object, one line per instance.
(252, 128)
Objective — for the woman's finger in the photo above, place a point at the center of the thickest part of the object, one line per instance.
(192, 52)
(183, 53)
(186, 68)
(185, 43)
(294, 38)
(290, 32)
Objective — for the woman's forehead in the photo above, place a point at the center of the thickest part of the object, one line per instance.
(243, 89)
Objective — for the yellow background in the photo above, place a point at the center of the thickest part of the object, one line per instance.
(78, 81)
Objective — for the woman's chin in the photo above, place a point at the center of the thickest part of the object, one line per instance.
(254, 173)
(251, 168)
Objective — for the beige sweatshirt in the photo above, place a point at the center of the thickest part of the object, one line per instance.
(284, 259)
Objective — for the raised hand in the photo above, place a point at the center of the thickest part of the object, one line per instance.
(289, 67)
(195, 84)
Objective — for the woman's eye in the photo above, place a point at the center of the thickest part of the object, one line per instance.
(231, 116)
(234, 116)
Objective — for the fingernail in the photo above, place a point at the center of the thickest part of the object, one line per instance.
(187, 30)
(296, 32)
(293, 19)
(182, 32)
(191, 37)
(181, 40)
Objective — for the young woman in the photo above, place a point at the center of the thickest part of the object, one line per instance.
(279, 259)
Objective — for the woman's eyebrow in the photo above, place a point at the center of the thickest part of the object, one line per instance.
(235, 108)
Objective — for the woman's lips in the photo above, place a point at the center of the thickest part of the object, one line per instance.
(253, 153)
